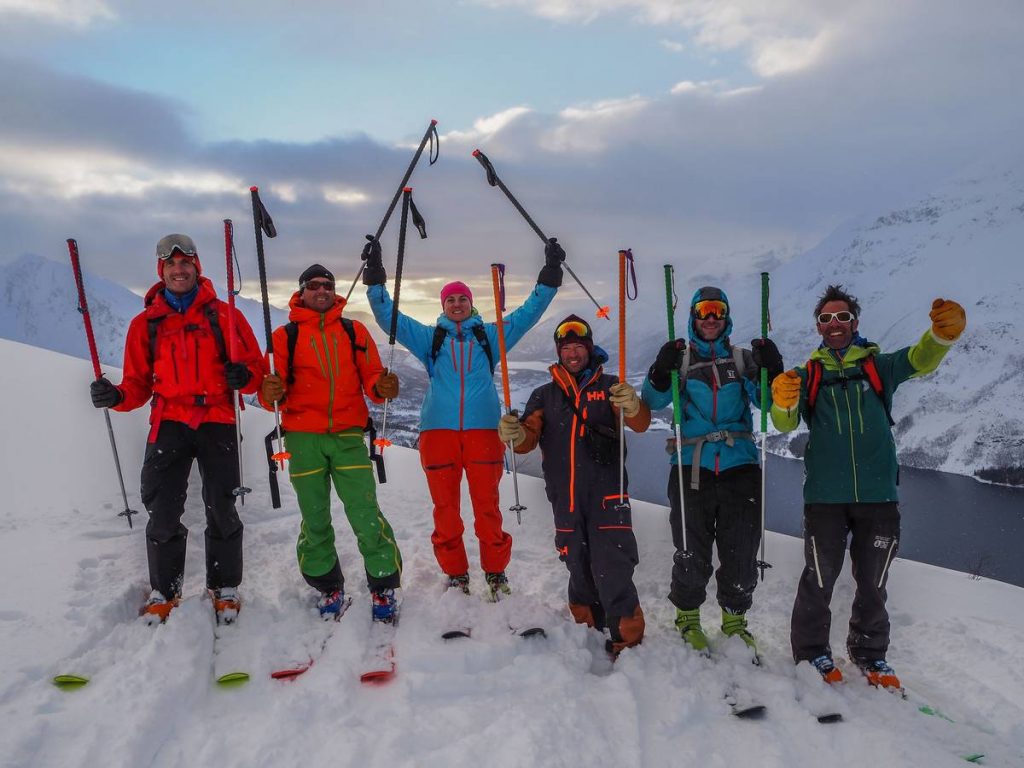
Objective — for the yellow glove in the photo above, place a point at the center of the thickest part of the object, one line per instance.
(510, 430)
(786, 389)
(272, 388)
(624, 397)
(387, 385)
(948, 319)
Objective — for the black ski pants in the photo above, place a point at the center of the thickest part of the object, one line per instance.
(726, 511)
(595, 541)
(165, 472)
(874, 532)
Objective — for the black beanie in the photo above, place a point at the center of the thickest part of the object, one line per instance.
(314, 272)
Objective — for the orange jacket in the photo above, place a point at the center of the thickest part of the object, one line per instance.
(330, 381)
(185, 376)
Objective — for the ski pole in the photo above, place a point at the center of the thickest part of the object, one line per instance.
(625, 261)
(236, 397)
(430, 135)
(263, 223)
(83, 307)
(763, 564)
(495, 181)
(497, 280)
(677, 413)
(382, 442)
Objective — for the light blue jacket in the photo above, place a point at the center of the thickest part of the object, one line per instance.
(460, 392)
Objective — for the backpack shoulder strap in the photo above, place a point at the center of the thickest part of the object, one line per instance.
(291, 332)
(151, 327)
(210, 310)
(350, 331)
(814, 371)
(481, 337)
(870, 369)
(436, 342)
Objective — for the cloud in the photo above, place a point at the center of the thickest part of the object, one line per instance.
(72, 13)
(672, 45)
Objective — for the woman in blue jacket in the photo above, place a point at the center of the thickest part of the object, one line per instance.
(461, 410)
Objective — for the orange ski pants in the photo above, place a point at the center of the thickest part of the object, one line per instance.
(445, 454)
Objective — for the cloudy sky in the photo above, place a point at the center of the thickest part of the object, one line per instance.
(712, 134)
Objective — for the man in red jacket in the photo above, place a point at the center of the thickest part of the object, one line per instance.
(176, 354)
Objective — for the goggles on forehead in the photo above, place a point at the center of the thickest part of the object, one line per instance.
(181, 243)
(574, 327)
(709, 307)
(842, 316)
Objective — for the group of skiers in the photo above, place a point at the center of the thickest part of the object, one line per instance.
(325, 366)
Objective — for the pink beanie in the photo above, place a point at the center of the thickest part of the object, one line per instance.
(457, 287)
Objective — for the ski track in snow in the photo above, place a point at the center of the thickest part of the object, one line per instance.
(74, 578)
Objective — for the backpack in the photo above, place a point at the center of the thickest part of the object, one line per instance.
(210, 310)
(737, 359)
(868, 371)
(478, 332)
(291, 330)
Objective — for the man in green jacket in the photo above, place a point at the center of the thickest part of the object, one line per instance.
(844, 395)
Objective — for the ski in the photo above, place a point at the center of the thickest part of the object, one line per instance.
(294, 670)
(743, 705)
(457, 634)
(379, 663)
(467, 632)
(229, 652)
(530, 632)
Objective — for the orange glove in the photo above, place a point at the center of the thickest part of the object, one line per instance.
(387, 385)
(948, 319)
(786, 389)
(272, 388)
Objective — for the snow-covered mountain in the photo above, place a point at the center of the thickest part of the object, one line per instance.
(39, 306)
(961, 242)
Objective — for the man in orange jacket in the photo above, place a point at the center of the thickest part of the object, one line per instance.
(328, 367)
(176, 353)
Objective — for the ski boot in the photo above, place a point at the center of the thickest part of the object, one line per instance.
(688, 624)
(385, 604)
(226, 604)
(879, 674)
(497, 586)
(829, 672)
(735, 625)
(459, 582)
(331, 604)
(157, 608)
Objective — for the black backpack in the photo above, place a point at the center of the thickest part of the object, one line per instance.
(478, 332)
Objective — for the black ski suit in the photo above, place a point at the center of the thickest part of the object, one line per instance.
(593, 532)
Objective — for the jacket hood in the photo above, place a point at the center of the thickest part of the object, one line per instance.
(460, 327)
(858, 350)
(721, 345)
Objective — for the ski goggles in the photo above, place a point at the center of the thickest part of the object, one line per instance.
(316, 285)
(708, 307)
(572, 328)
(181, 243)
(842, 317)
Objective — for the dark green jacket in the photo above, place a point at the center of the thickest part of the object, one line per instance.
(851, 456)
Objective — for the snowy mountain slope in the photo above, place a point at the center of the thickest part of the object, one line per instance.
(73, 577)
(39, 306)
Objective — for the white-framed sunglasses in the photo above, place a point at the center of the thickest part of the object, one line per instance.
(842, 316)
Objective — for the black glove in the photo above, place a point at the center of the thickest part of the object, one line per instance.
(766, 355)
(551, 273)
(670, 358)
(373, 272)
(237, 374)
(104, 394)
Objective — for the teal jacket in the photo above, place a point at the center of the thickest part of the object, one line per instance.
(851, 455)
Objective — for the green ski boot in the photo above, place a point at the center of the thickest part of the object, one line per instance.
(688, 624)
(735, 625)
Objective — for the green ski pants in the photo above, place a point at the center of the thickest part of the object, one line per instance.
(316, 460)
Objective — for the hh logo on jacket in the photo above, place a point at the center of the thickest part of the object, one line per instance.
(599, 395)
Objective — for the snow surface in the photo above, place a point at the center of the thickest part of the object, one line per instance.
(73, 578)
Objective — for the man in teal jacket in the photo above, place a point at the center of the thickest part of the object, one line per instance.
(844, 395)
(461, 410)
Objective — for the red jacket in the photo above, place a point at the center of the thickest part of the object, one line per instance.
(185, 376)
(331, 378)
